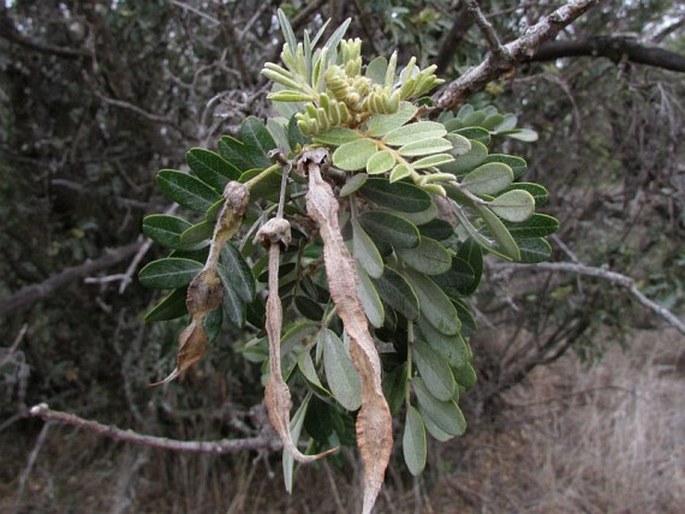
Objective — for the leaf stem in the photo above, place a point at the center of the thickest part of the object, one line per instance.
(410, 345)
(262, 175)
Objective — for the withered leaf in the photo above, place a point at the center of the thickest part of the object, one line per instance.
(192, 344)
(374, 422)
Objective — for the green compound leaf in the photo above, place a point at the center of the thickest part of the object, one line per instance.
(169, 273)
(504, 239)
(337, 136)
(211, 167)
(353, 184)
(471, 252)
(354, 155)
(514, 205)
(468, 161)
(414, 446)
(429, 257)
(434, 303)
(171, 307)
(365, 251)
(534, 250)
(425, 147)
(233, 305)
(399, 196)
(435, 371)
(382, 124)
(235, 152)
(451, 348)
(167, 230)
(380, 162)
(488, 179)
(400, 171)
(242, 279)
(538, 225)
(186, 190)
(371, 301)
(397, 293)
(342, 377)
(417, 131)
(432, 161)
(257, 140)
(445, 415)
(390, 228)
(196, 233)
(517, 164)
(460, 144)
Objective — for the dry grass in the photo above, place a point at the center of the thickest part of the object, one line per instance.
(609, 438)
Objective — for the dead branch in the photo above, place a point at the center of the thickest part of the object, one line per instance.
(30, 294)
(520, 50)
(610, 276)
(265, 440)
(615, 48)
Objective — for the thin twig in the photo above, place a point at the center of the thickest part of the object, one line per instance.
(499, 51)
(15, 344)
(40, 440)
(610, 276)
(197, 11)
(265, 440)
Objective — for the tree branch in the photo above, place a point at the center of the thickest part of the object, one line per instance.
(614, 48)
(520, 50)
(460, 26)
(499, 52)
(610, 276)
(30, 294)
(221, 447)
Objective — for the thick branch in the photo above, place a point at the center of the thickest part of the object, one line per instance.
(614, 48)
(610, 276)
(30, 294)
(520, 50)
(220, 447)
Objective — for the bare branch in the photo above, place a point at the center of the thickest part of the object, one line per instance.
(13, 348)
(610, 276)
(499, 52)
(30, 294)
(614, 48)
(40, 440)
(266, 440)
(520, 50)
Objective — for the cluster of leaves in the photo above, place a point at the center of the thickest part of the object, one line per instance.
(418, 202)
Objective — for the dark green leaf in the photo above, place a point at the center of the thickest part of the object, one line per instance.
(166, 230)
(371, 302)
(171, 307)
(414, 442)
(429, 257)
(186, 190)
(464, 163)
(395, 387)
(397, 293)
(257, 140)
(468, 323)
(458, 280)
(475, 134)
(309, 308)
(446, 415)
(435, 371)
(211, 167)
(235, 153)
(169, 273)
(471, 252)
(437, 229)
(517, 164)
(365, 251)
(538, 225)
(534, 250)
(465, 375)
(239, 271)
(213, 323)
(341, 375)
(434, 303)
(393, 229)
(198, 233)
(504, 240)
(452, 348)
(540, 194)
(399, 196)
(234, 307)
